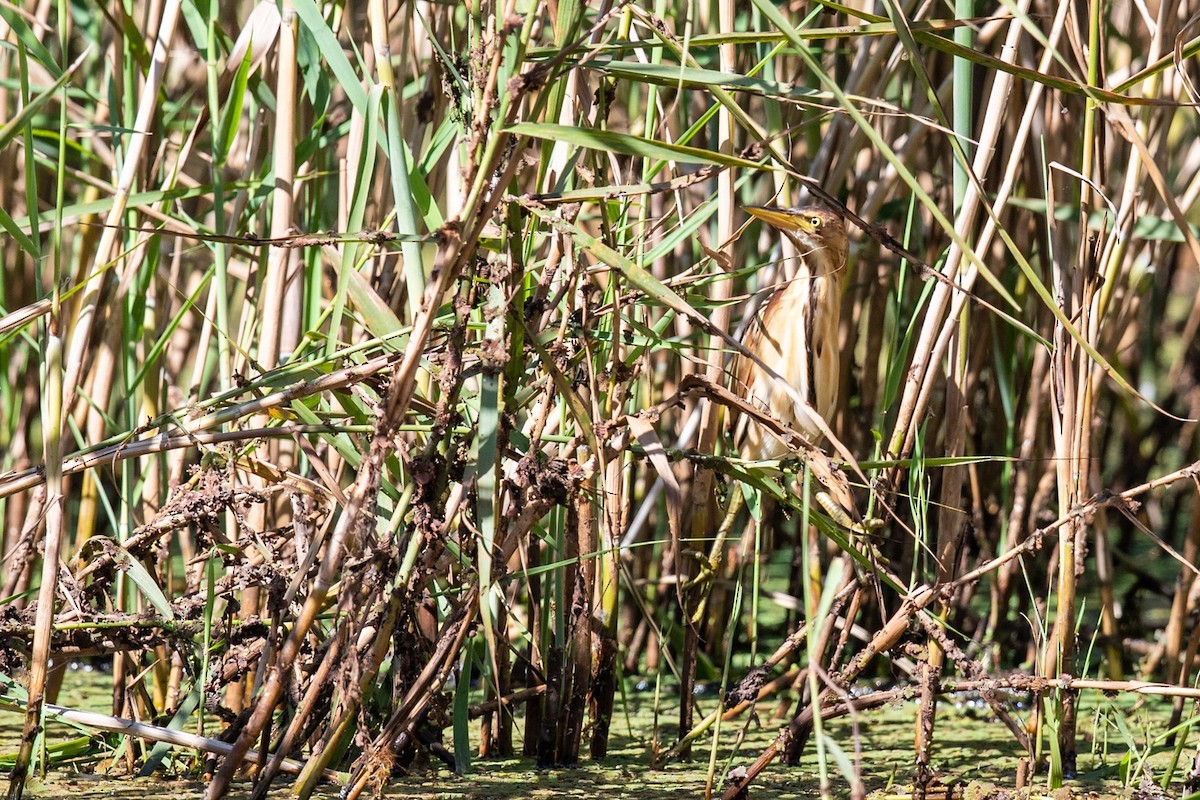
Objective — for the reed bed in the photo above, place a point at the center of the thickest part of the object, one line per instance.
(364, 378)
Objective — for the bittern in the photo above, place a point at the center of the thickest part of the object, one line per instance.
(795, 335)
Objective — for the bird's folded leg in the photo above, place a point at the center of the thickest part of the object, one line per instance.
(842, 517)
(838, 502)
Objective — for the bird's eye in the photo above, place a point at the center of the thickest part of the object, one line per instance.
(816, 222)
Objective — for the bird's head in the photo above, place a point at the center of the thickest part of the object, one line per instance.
(815, 230)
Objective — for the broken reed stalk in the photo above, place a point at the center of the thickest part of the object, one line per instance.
(157, 733)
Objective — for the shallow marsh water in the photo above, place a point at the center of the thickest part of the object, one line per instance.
(969, 747)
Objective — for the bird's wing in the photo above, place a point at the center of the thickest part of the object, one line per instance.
(824, 360)
(742, 373)
(743, 367)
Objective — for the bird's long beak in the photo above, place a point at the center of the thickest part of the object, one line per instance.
(782, 218)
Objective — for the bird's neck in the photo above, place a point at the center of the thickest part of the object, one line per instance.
(822, 264)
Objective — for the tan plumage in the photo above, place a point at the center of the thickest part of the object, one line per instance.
(795, 335)
(795, 338)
